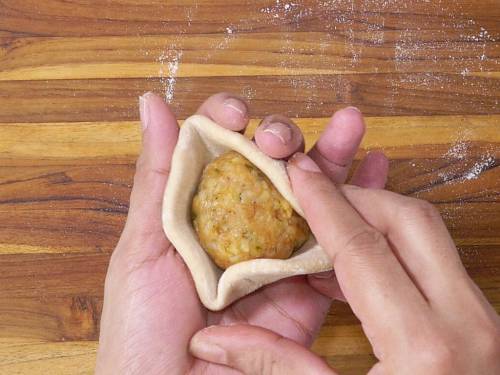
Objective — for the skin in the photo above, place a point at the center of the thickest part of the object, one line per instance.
(398, 268)
(151, 309)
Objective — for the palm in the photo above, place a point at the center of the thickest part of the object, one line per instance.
(166, 311)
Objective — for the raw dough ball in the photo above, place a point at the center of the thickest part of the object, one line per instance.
(239, 215)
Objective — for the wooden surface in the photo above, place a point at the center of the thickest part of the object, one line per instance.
(426, 73)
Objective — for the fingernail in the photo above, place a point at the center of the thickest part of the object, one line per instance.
(144, 110)
(323, 275)
(354, 109)
(304, 162)
(202, 347)
(236, 105)
(280, 130)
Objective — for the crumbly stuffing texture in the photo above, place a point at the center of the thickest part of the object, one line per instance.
(239, 215)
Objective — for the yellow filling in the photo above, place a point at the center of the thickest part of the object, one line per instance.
(239, 215)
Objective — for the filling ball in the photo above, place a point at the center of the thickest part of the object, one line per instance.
(239, 215)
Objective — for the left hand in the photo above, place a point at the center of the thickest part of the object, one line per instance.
(151, 309)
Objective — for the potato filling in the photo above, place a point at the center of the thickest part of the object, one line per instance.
(239, 215)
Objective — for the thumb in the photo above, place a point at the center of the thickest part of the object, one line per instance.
(254, 350)
(159, 137)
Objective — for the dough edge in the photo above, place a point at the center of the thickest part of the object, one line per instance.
(200, 141)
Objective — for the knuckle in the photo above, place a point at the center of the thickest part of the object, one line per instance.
(159, 171)
(143, 171)
(490, 343)
(417, 208)
(366, 238)
(323, 187)
(271, 362)
(437, 354)
(365, 242)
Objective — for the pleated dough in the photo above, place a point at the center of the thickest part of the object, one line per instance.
(200, 141)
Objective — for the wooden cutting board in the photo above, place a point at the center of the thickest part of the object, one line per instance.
(425, 73)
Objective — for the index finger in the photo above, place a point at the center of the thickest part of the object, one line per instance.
(375, 284)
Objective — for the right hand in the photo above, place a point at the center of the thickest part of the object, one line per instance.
(400, 272)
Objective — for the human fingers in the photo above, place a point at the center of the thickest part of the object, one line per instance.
(148, 295)
(159, 137)
(227, 110)
(425, 248)
(420, 240)
(279, 137)
(326, 283)
(372, 171)
(335, 149)
(254, 351)
(369, 274)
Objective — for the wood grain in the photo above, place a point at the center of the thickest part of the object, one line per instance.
(295, 96)
(82, 18)
(59, 316)
(246, 54)
(426, 74)
(74, 357)
(101, 142)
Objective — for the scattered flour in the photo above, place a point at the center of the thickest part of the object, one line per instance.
(459, 152)
(279, 8)
(249, 92)
(484, 163)
(481, 36)
(170, 60)
(412, 46)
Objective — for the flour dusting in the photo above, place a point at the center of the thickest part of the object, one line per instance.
(481, 36)
(458, 151)
(249, 92)
(279, 8)
(483, 164)
(170, 60)
(351, 36)
(464, 169)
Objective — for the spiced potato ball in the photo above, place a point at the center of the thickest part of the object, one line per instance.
(239, 215)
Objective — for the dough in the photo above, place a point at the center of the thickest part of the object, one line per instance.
(239, 215)
(200, 141)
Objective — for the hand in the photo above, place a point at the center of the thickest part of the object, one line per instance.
(151, 309)
(400, 272)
